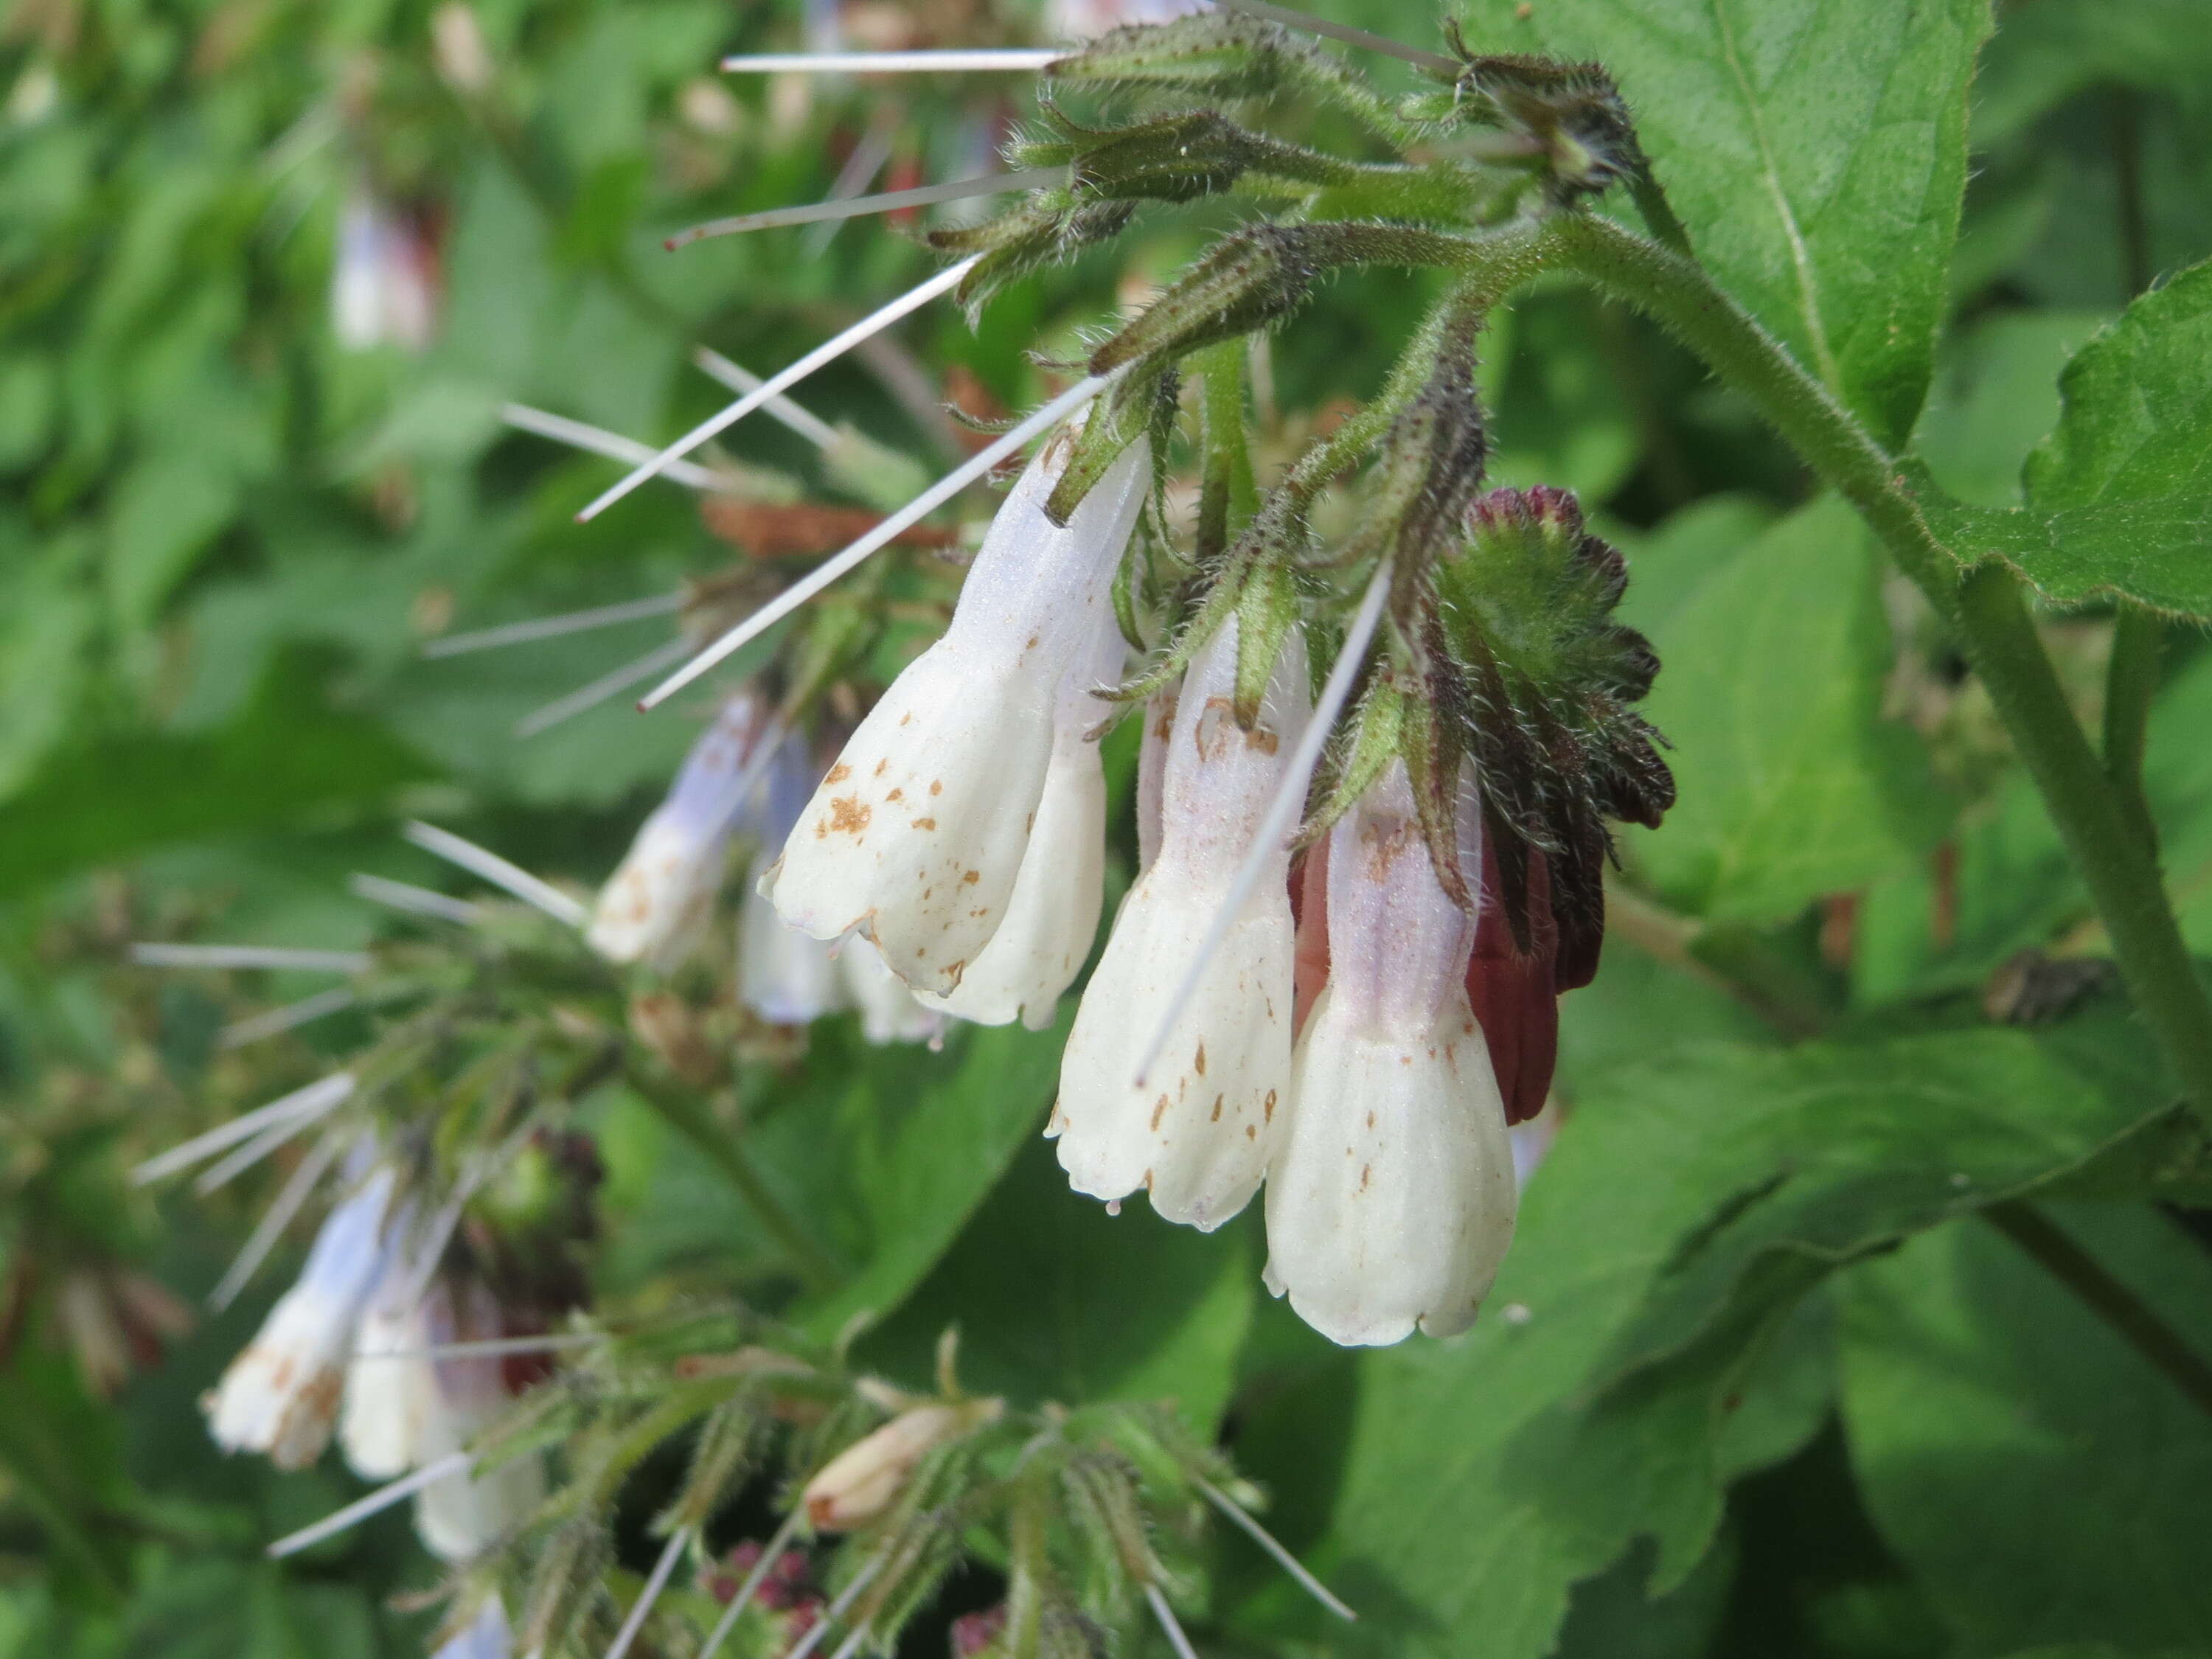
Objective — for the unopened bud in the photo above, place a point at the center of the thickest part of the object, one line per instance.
(861, 1481)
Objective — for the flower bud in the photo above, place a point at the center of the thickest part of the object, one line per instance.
(461, 1517)
(281, 1396)
(917, 834)
(1390, 1198)
(1196, 1137)
(861, 1481)
(652, 908)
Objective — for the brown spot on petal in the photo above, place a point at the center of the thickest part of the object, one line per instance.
(840, 772)
(904, 718)
(1251, 1131)
(1158, 1111)
(972, 876)
(1218, 1099)
(848, 815)
(1270, 1104)
(1365, 1171)
(896, 794)
(1371, 1120)
(882, 767)
(925, 824)
(937, 787)
(1262, 739)
(1201, 1062)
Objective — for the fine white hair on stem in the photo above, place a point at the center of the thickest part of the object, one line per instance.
(770, 1555)
(1168, 1622)
(913, 513)
(1267, 1541)
(1290, 798)
(655, 1584)
(547, 1342)
(889, 201)
(802, 421)
(513, 878)
(360, 1509)
(1017, 60)
(221, 1175)
(288, 1203)
(248, 956)
(550, 628)
(827, 352)
(597, 441)
(612, 683)
(836, 1610)
(1436, 62)
(239, 1032)
(312, 1098)
(416, 901)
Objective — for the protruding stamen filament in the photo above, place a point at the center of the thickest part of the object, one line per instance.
(312, 1100)
(655, 1584)
(611, 684)
(859, 172)
(290, 1200)
(416, 901)
(548, 627)
(360, 1509)
(827, 352)
(912, 514)
(889, 201)
(497, 871)
(248, 956)
(836, 1610)
(1290, 797)
(740, 379)
(239, 1033)
(1267, 1541)
(770, 1555)
(1170, 1623)
(1017, 60)
(597, 441)
(549, 1342)
(221, 1175)
(1435, 63)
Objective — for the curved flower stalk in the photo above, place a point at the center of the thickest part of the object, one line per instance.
(1052, 916)
(1198, 1135)
(1391, 1196)
(654, 907)
(916, 835)
(281, 1395)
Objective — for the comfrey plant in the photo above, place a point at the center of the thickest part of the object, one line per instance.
(1445, 678)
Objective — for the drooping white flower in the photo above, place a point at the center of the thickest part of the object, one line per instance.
(487, 1635)
(459, 1517)
(784, 975)
(1051, 915)
(1391, 1198)
(1197, 1136)
(391, 1387)
(281, 1396)
(890, 1011)
(916, 835)
(382, 291)
(652, 909)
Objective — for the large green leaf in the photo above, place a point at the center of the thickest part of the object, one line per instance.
(1791, 785)
(1817, 150)
(2041, 1479)
(2123, 487)
(1641, 1344)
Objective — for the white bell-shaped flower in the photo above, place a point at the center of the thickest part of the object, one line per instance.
(653, 908)
(890, 1011)
(391, 1387)
(1391, 1197)
(916, 835)
(783, 976)
(459, 1517)
(1052, 916)
(1152, 771)
(1198, 1134)
(281, 1395)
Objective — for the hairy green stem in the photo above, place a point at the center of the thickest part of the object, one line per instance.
(2130, 683)
(1227, 496)
(686, 1112)
(2123, 1311)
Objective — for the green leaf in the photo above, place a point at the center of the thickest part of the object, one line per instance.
(1791, 785)
(2044, 1483)
(1996, 395)
(1057, 1300)
(166, 512)
(48, 621)
(2124, 485)
(1644, 1342)
(1817, 150)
